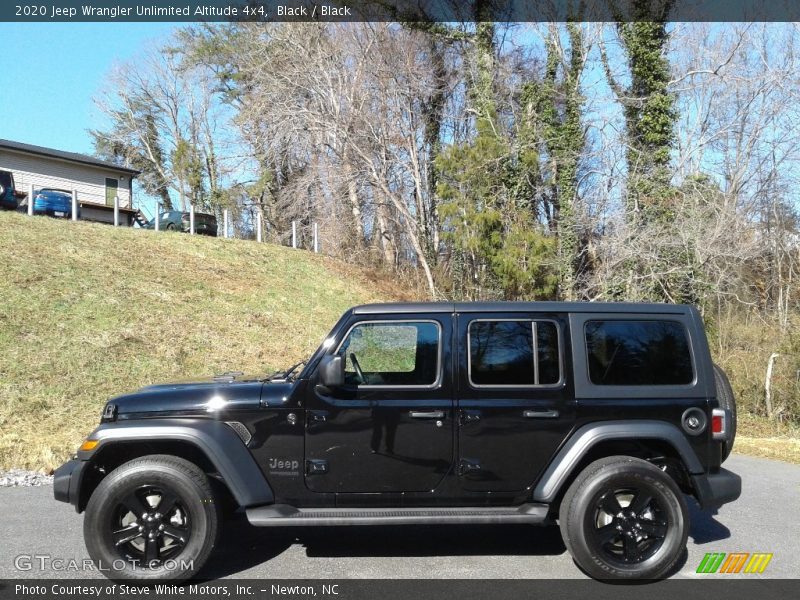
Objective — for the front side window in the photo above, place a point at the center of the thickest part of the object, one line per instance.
(513, 353)
(638, 353)
(392, 353)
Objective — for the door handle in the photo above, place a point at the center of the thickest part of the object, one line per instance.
(426, 414)
(540, 414)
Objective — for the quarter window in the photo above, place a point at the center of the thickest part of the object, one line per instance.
(638, 353)
(392, 353)
(513, 353)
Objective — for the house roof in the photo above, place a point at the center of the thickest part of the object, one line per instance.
(67, 156)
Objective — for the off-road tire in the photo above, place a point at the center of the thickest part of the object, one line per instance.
(579, 514)
(727, 401)
(195, 500)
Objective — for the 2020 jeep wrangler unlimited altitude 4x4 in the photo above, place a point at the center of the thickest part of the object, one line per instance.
(600, 416)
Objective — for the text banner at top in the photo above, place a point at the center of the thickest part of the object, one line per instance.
(464, 11)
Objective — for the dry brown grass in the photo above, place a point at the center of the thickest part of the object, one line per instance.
(88, 312)
(758, 436)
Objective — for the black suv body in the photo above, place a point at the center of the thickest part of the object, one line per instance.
(600, 416)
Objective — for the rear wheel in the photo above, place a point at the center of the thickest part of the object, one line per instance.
(154, 517)
(727, 401)
(624, 518)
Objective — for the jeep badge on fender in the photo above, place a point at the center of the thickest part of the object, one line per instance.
(599, 416)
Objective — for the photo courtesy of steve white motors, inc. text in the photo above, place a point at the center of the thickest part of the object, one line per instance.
(92, 11)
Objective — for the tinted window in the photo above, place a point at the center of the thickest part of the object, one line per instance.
(5, 179)
(392, 354)
(502, 353)
(638, 353)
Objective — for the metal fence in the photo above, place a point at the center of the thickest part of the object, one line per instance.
(226, 222)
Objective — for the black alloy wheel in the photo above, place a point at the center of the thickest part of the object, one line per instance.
(624, 518)
(150, 525)
(154, 517)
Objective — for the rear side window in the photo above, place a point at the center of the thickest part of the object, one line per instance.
(513, 353)
(638, 353)
(5, 179)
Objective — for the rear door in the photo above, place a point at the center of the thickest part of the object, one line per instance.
(514, 397)
(390, 427)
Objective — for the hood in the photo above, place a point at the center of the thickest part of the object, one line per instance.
(214, 395)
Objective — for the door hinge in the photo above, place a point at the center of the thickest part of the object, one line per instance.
(468, 465)
(316, 467)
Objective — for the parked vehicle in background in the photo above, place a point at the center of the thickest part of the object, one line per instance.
(8, 195)
(600, 416)
(53, 203)
(176, 220)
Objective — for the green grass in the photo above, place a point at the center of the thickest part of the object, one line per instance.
(88, 311)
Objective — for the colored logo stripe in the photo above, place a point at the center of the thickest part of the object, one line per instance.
(734, 562)
(714, 562)
(758, 562)
(711, 562)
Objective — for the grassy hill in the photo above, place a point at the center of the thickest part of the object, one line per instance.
(88, 311)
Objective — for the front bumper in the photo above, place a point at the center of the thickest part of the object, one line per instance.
(715, 489)
(67, 482)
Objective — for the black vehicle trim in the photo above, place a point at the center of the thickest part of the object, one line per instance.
(282, 515)
(576, 447)
(215, 439)
(715, 489)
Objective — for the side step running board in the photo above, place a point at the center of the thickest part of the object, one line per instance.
(283, 515)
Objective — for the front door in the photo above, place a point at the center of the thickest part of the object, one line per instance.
(514, 398)
(390, 427)
(112, 190)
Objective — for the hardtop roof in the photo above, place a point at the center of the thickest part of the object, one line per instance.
(499, 307)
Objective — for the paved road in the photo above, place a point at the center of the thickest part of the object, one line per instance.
(765, 519)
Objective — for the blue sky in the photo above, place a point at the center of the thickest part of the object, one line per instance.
(51, 71)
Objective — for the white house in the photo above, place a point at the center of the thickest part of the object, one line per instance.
(97, 182)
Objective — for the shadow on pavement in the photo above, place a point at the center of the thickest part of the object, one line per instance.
(704, 527)
(242, 546)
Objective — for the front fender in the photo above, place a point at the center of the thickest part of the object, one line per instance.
(573, 451)
(218, 442)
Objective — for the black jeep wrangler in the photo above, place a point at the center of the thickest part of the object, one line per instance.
(600, 416)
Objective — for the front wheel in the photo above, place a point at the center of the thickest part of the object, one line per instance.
(152, 518)
(624, 518)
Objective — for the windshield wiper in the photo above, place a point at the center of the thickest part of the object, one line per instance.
(285, 375)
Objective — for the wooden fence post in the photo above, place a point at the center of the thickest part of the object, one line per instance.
(74, 205)
(225, 223)
(259, 225)
(30, 199)
(316, 237)
(294, 234)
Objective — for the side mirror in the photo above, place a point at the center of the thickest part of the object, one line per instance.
(331, 371)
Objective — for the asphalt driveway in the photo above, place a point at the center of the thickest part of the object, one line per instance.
(764, 519)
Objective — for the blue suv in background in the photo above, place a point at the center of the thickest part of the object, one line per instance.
(8, 196)
(53, 203)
